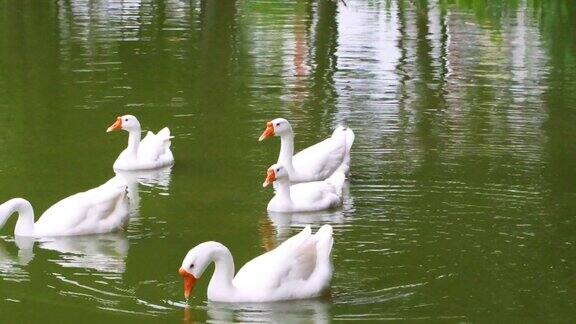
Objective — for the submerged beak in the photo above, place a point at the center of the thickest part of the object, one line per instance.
(116, 126)
(189, 281)
(270, 177)
(268, 132)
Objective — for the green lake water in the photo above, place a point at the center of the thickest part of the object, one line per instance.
(461, 202)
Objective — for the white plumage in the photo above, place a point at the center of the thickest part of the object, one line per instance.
(99, 210)
(299, 268)
(317, 162)
(152, 152)
(306, 196)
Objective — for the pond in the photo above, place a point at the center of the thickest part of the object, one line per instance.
(461, 201)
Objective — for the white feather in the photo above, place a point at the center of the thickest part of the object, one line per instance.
(299, 268)
(99, 210)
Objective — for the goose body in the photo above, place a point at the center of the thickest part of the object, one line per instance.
(299, 268)
(306, 196)
(99, 210)
(317, 162)
(152, 152)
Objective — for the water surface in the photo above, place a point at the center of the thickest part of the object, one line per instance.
(461, 201)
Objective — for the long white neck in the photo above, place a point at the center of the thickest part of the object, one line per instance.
(133, 142)
(287, 151)
(221, 283)
(283, 190)
(25, 223)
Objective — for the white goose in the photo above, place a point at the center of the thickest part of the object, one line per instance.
(299, 268)
(316, 162)
(99, 210)
(151, 153)
(303, 197)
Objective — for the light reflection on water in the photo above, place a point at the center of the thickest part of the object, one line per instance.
(316, 311)
(278, 227)
(12, 265)
(102, 253)
(311, 310)
(145, 181)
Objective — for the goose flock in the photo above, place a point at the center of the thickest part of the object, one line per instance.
(308, 181)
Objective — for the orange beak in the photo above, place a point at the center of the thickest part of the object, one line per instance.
(268, 132)
(270, 177)
(189, 281)
(116, 126)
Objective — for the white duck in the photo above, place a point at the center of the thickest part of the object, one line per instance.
(316, 162)
(151, 153)
(299, 268)
(99, 210)
(303, 197)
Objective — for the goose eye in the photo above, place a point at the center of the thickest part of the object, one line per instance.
(277, 124)
(192, 266)
(126, 119)
(278, 170)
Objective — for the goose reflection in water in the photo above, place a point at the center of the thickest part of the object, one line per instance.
(300, 311)
(103, 253)
(153, 179)
(12, 265)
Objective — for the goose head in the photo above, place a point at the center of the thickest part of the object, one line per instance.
(126, 122)
(195, 263)
(276, 127)
(275, 172)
